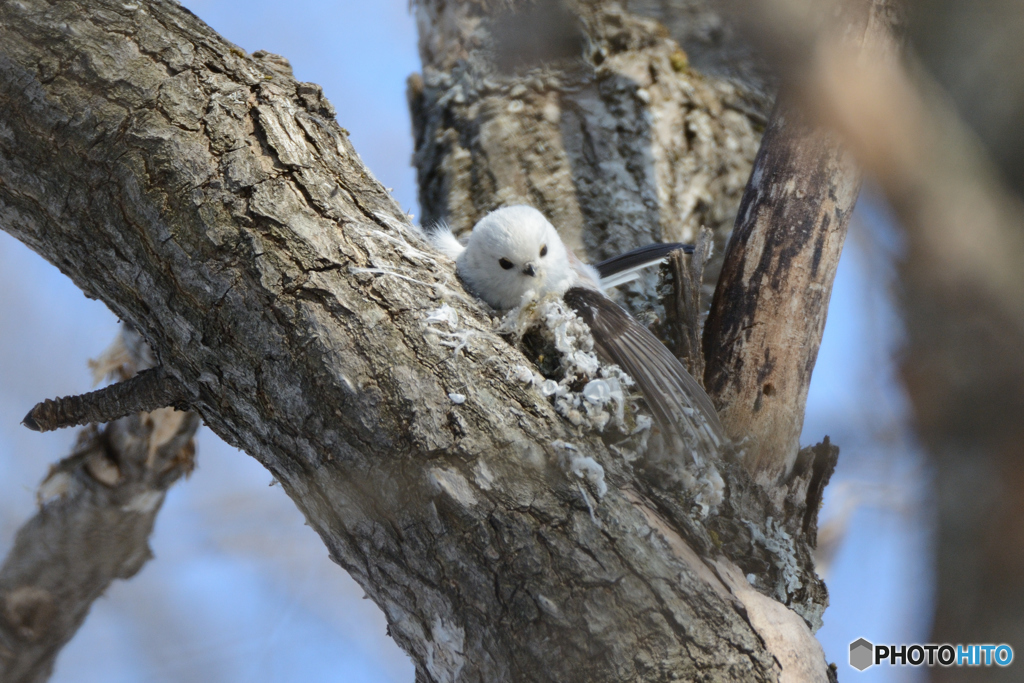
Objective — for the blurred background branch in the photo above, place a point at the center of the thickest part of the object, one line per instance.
(955, 191)
(97, 508)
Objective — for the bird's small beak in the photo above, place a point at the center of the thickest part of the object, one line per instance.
(528, 269)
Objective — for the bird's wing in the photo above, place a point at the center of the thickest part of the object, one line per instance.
(619, 270)
(671, 393)
(441, 238)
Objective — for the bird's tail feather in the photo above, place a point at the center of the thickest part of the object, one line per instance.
(624, 268)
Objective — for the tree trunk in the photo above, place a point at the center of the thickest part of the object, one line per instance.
(213, 202)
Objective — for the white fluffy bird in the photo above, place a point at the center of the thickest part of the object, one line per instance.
(514, 255)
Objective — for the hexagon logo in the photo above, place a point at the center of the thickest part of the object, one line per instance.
(862, 654)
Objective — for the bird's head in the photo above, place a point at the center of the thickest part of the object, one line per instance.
(513, 251)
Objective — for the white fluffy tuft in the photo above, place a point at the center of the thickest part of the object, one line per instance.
(442, 239)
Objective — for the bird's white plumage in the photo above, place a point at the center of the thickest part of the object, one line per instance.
(512, 253)
(445, 242)
(515, 255)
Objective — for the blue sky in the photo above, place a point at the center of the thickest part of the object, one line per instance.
(241, 590)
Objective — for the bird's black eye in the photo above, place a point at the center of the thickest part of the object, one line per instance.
(505, 263)
(543, 250)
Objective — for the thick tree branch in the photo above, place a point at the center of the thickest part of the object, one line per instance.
(217, 206)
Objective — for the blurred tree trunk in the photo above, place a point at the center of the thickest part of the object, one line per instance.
(964, 363)
(215, 204)
(97, 511)
(961, 285)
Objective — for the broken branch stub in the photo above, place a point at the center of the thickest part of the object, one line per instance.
(147, 391)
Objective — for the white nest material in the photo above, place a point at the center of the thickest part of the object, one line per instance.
(444, 322)
(601, 402)
(583, 467)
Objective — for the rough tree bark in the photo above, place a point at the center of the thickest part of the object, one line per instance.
(769, 310)
(214, 203)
